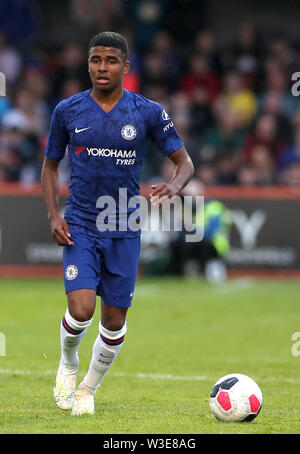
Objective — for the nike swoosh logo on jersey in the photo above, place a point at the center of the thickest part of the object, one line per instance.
(80, 130)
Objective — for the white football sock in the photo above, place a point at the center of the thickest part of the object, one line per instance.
(105, 350)
(71, 334)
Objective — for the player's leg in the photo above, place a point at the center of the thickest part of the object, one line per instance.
(78, 317)
(117, 286)
(112, 330)
(79, 266)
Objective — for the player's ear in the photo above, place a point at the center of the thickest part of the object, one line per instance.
(126, 67)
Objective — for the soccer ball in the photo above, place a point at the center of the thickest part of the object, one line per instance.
(235, 398)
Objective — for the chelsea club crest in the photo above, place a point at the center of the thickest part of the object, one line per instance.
(128, 132)
(71, 272)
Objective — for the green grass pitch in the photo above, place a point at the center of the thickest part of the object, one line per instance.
(182, 336)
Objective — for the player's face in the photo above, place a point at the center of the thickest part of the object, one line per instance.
(107, 67)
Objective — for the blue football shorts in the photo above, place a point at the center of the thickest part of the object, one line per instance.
(107, 265)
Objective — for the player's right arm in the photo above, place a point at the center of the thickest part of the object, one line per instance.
(55, 150)
(59, 227)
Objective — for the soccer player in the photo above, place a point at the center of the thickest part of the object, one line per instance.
(105, 129)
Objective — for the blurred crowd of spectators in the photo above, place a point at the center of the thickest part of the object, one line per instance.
(232, 105)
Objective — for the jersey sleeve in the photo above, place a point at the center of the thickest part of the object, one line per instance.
(58, 137)
(162, 131)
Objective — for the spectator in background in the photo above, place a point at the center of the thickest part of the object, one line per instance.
(295, 123)
(10, 61)
(188, 122)
(271, 104)
(281, 51)
(291, 175)
(34, 108)
(18, 149)
(72, 65)
(222, 143)
(247, 176)
(2, 172)
(179, 105)
(158, 93)
(207, 174)
(200, 75)
(263, 165)
(225, 138)
(91, 16)
(266, 134)
(35, 81)
(238, 99)
(227, 165)
(147, 17)
(277, 82)
(70, 87)
(11, 136)
(201, 114)
(247, 52)
(154, 73)
(292, 153)
(163, 45)
(184, 18)
(205, 45)
(20, 20)
(244, 55)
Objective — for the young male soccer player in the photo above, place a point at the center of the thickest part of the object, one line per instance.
(105, 129)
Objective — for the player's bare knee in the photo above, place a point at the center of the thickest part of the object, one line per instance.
(112, 318)
(113, 324)
(81, 306)
(81, 314)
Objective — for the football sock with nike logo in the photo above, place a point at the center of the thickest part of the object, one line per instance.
(105, 350)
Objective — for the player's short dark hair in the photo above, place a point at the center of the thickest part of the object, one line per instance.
(110, 39)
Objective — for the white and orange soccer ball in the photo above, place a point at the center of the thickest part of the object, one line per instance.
(235, 398)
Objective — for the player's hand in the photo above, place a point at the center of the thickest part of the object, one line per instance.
(60, 231)
(161, 193)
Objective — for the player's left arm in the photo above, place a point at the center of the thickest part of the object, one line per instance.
(184, 170)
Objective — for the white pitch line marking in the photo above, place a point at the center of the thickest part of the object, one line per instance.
(146, 290)
(162, 376)
(46, 373)
(235, 286)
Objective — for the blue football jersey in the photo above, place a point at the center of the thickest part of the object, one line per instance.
(106, 152)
